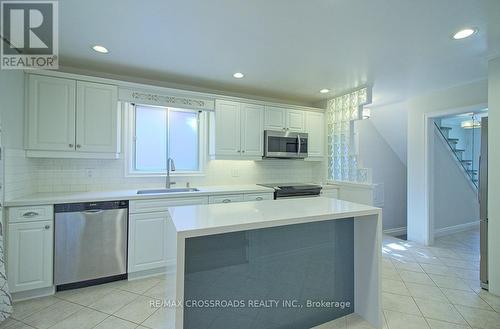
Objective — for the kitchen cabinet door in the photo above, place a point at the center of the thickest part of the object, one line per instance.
(96, 117)
(252, 130)
(30, 255)
(146, 243)
(275, 118)
(315, 128)
(50, 113)
(227, 129)
(295, 120)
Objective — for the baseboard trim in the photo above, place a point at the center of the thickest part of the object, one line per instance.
(35, 293)
(455, 229)
(397, 231)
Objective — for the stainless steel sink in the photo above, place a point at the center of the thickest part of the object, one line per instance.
(168, 190)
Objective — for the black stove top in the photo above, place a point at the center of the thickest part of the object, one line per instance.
(282, 190)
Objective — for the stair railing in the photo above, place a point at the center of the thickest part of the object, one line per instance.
(458, 155)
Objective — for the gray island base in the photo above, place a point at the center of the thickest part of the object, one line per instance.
(273, 264)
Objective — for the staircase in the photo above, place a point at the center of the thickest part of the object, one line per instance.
(467, 164)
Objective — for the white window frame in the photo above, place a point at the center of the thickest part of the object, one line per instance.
(129, 116)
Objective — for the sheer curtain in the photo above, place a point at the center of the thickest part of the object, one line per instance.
(5, 297)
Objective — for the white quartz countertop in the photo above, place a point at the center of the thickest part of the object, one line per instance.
(70, 197)
(199, 220)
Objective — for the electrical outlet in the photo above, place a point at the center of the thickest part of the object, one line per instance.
(235, 173)
(89, 172)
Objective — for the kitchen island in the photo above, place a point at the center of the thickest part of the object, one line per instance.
(292, 263)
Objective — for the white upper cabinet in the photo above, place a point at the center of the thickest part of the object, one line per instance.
(69, 118)
(227, 128)
(315, 128)
(295, 120)
(239, 130)
(51, 113)
(275, 118)
(252, 130)
(279, 118)
(96, 117)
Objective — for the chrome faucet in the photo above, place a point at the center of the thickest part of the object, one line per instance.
(170, 167)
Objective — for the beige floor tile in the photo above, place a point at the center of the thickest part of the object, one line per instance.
(85, 318)
(52, 315)
(85, 296)
(139, 286)
(426, 292)
(113, 301)
(28, 307)
(395, 287)
(421, 259)
(405, 266)
(11, 323)
(335, 324)
(450, 282)
(115, 323)
(161, 319)
(480, 319)
(469, 274)
(492, 300)
(137, 311)
(391, 274)
(163, 290)
(399, 303)
(396, 320)
(439, 311)
(436, 324)
(414, 277)
(466, 298)
(354, 321)
(437, 269)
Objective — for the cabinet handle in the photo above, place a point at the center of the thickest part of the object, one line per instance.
(226, 201)
(259, 198)
(47, 227)
(239, 151)
(30, 214)
(71, 145)
(78, 146)
(243, 151)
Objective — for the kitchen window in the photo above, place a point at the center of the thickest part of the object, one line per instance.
(159, 133)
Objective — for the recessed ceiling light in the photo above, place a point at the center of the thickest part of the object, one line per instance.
(465, 33)
(100, 49)
(324, 91)
(238, 75)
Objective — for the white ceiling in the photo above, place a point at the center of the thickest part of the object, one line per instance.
(288, 49)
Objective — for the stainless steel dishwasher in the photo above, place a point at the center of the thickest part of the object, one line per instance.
(90, 243)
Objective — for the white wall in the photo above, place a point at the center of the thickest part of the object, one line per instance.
(387, 169)
(494, 176)
(459, 99)
(12, 107)
(391, 121)
(454, 199)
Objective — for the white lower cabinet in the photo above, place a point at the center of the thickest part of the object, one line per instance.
(30, 255)
(225, 198)
(147, 231)
(147, 246)
(258, 197)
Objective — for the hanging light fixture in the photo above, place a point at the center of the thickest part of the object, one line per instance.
(470, 124)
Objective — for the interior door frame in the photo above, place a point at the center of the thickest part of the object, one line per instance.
(429, 161)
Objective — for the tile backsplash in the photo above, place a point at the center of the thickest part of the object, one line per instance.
(29, 175)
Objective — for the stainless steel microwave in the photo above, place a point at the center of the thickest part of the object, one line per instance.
(285, 144)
